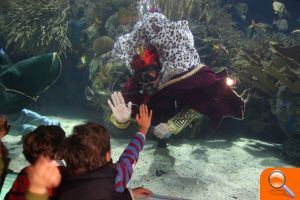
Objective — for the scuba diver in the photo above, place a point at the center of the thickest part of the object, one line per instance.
(169, 77)
(21, 84)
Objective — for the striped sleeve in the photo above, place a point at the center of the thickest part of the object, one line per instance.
(127, 161)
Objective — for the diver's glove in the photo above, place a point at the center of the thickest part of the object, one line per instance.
(162, 131)
(121, 111)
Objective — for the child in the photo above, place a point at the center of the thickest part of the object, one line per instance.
(93, 175)
(43, 141)
(4, 160)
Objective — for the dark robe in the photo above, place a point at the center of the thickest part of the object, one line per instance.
(199, 88)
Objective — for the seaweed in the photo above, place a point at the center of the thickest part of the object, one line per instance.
(35, 26)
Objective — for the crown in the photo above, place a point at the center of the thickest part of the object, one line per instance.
(140, 50)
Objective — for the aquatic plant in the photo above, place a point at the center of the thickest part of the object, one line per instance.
(264, 70)
(272, 77)
(127, 15)
(102, 44)
(35, 26)
(96, 11)
(104, 71)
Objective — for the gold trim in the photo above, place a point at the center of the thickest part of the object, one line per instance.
(36, 97)
(181, 120)
(192, 72)
(118, 125)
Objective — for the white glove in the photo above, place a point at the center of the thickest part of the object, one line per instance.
(120, 110)
(162, 131)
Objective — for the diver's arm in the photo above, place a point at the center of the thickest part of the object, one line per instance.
(176, 124)
(119, 125)
(181, 120)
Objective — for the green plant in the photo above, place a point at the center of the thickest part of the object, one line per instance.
(35, 26)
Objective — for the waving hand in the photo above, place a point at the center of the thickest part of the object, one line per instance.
(120, 110)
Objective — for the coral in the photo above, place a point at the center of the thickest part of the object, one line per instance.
(93, 10)
(291, 150)
(127, 16)
(114, 29)
(104, 71)
(275, 78)
(261, 68)
(35, 26)
(123, 3)
(177, 9)
(102, 45)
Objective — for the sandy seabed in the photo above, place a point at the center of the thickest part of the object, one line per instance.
(198, 169)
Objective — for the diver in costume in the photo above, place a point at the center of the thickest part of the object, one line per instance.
(169, 77)
(21, 84)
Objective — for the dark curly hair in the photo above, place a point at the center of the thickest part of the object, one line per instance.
(86, 148)
(43, 141)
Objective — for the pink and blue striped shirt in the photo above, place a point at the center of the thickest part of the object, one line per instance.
(127, 161)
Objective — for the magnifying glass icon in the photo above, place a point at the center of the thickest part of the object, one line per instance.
(277, 180)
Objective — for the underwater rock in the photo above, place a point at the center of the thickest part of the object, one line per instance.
(102, 45)
(159, 172)
(114, 29)
(127, 16)
(92, 30)
(287, 111)
(291, 150)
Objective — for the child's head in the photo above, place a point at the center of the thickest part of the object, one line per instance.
(4, 127)
(88, 148)
(43, 141)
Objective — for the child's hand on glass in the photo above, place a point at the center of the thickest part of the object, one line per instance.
(143, 119)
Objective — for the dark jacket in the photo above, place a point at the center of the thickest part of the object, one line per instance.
(94, 185)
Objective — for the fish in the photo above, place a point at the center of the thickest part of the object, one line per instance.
(220, 47)
(83, 59)
(259, 26)
(279, 8)
(297, 31)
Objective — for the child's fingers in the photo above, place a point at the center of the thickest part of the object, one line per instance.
(137, 118)
(150, 114)
(146, 111)
(142, 110)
